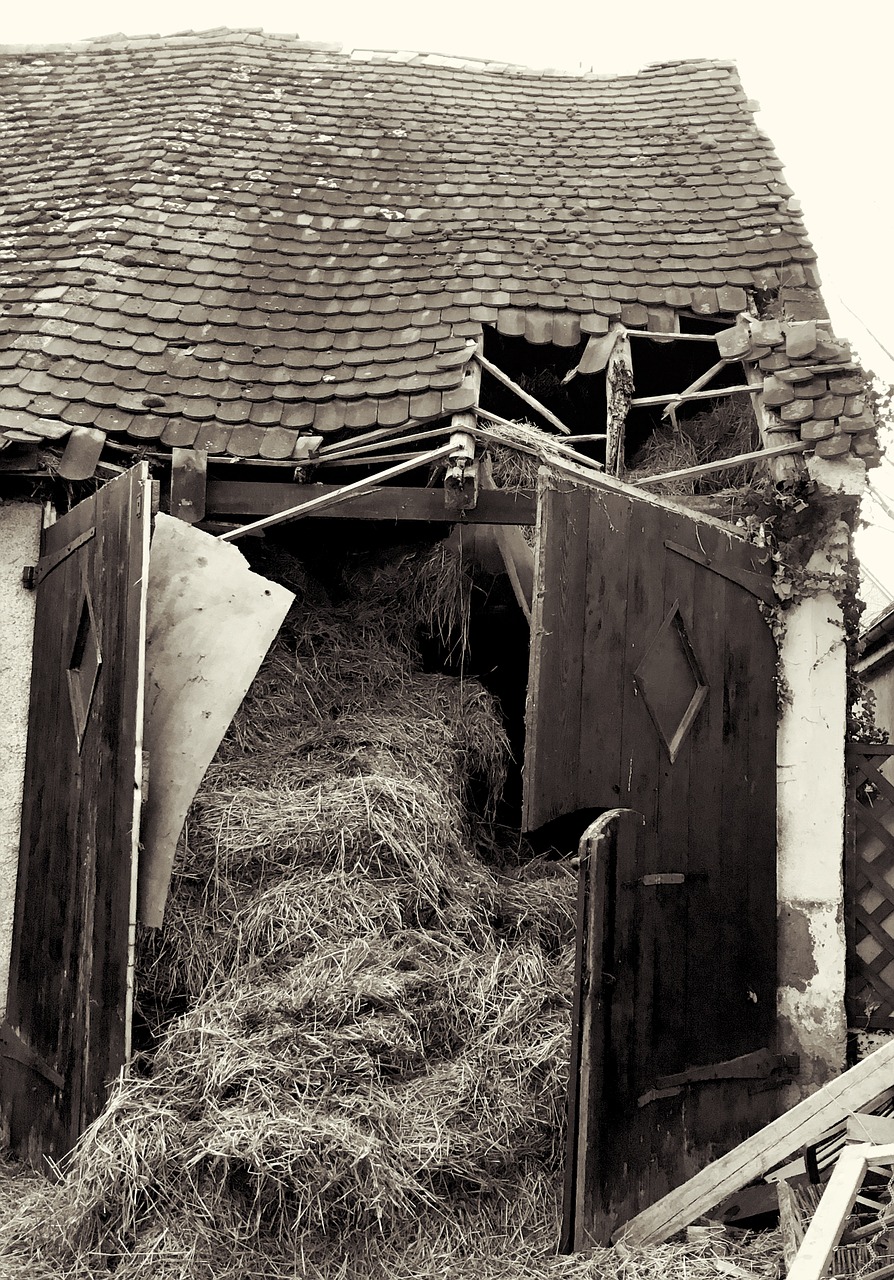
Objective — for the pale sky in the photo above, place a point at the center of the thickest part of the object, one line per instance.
(822, 73)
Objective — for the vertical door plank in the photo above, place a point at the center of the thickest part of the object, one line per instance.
(557, 630)
(604, 647)
(72, 937)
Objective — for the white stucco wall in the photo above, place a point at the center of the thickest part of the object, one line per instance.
(19, 546)
(810, 836)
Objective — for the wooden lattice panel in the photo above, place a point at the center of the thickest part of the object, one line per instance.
(870, 889)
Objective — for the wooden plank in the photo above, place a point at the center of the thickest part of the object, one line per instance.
(527, 399)
(612, 841)
(737, 460)
(259, 498)
(604, 644)
(707, 966)
(815, 1253)
(791, 1223)
(341, 493)
(569, 1189)
(553, 712)
(805, 1123)
(679, 783)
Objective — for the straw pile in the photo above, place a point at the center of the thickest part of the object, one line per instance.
(726, 429)
(359, 999)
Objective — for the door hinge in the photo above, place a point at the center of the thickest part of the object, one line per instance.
(777, 1068)
(33, 575)
(13, 1046)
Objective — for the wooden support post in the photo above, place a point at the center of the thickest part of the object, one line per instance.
(618, 395)
(461, 477)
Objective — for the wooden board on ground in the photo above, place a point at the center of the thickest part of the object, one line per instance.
(854, 1090)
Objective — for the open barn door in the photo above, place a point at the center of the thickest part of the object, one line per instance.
(67, 1024)
(652, 690)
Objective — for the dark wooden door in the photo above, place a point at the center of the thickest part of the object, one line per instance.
(653, 690)
(66, 1033)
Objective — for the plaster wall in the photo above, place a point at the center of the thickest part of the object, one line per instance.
(20, 525)
(810, 839)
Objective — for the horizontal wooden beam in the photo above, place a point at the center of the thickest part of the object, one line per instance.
(259, 498)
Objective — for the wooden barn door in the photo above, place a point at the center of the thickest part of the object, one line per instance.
(66, 1033)
(652, 690)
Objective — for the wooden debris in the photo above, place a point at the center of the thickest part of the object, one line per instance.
(841, 1193)
(856, 1089)
(680, 397)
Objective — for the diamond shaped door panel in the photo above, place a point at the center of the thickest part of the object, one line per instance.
(671, 682)
(83, 667)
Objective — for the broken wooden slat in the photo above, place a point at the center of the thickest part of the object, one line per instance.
(189, 470)
(340, 494)
(674, 337)
(839, 1197)
(791, 1224)
(695, 386)
(704, 468)
(681, 397)
(382, 440)
(854, 1090)
(529, 400)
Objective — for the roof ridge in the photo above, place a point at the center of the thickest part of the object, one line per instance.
(417, 57)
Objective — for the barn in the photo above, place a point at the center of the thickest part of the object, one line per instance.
(559, 338)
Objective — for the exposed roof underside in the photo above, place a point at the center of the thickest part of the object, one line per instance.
(230, 239)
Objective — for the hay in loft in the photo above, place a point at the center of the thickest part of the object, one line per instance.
(724, 430)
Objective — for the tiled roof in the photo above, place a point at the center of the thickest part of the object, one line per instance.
(228, 239)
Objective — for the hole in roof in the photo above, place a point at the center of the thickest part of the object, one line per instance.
(539, 370)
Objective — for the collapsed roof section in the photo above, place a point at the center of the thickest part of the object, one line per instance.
(233, 241)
